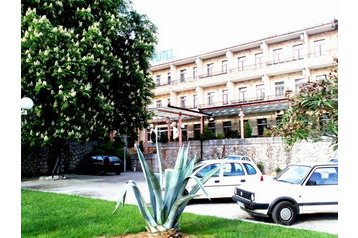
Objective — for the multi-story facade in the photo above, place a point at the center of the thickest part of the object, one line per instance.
(253, 78)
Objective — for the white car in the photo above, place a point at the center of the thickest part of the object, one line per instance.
(304, 188)
(233, 173)
(238, 157)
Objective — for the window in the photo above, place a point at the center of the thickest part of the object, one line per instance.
(196, 131)
(242, 93)
(195, 72)
(158, 79)
(320, 77)
(169, 77)
(227, 128)
(211, 98)
(207, 169)
(298, 52)
(250, 169)
(298, 84)
(159, 103)
(168, 101)
(260, 91)
(182, 75)
(324, 176)
(261, 125)
(195, 101)
(279, 89)
(225, 97)
(224, 66)
(318, 47)
(241, 63)
(209, 69)
(258, 60)
(233, 169)
(277, 55)
(182, 101)
(211, 127)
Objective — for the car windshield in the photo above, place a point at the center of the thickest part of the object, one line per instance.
(294, 174)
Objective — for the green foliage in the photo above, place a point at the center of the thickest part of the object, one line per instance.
(247, 130)
(168, 198)
(85, 65)
(220, 136)
(313, 112)
(110, 148)
(207, 135)
(261, 167)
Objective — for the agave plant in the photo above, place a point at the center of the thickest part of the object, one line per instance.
(168, 194)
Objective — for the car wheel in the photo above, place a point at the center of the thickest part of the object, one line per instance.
(284, 213)
(118, 172)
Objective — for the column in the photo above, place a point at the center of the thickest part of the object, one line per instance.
(231, 91)
(200, 92)
(266, 80)
(173, 98)
(199, 66)
(230, 60)
(173, 72)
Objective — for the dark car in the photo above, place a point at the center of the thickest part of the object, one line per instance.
(100, 164)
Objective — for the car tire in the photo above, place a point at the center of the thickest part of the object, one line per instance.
(118, 172)
(284, 213)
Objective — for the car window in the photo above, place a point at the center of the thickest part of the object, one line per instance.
(294, 174)
(324, 176)
(233, 169)
(207, 169)
(114, 159)
(250, 169)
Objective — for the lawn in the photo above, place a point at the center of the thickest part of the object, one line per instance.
(56, 215)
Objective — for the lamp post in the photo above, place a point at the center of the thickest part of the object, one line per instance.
(241, 115)
(26, 104)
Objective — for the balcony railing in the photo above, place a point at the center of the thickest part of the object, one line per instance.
(253, 67)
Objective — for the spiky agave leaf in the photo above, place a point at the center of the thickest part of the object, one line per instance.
(154, 188)
(142, 206)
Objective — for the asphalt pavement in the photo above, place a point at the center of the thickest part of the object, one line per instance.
(108, 187)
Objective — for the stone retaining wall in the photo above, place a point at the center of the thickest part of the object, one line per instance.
(35, 163)
(270, 152)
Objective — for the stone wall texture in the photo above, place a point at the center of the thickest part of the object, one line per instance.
(270, 152)
(36, 163)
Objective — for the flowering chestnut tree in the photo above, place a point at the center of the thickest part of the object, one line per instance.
(313, 112)
(85, 65)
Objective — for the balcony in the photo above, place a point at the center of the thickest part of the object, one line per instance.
(247, 72)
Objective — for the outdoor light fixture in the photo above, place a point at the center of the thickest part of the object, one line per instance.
(26, 104)
(211, 119)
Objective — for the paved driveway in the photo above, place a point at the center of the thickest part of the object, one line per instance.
(108, 188)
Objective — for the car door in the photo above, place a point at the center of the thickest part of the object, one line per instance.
(320, 191)
(213, 181)
(232, 175)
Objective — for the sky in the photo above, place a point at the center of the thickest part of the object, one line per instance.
(192, 27)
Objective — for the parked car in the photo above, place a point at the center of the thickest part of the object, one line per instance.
(238, 157)
(232, 173)
(304, 188)
(100, 164)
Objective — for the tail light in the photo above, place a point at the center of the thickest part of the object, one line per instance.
(262, 178)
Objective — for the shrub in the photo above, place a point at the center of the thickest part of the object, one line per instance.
(261, 167)
(247, 130)
(220, 136)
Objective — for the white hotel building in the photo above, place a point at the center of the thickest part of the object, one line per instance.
(252, 78)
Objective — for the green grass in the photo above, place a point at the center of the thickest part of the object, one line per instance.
(56, 215)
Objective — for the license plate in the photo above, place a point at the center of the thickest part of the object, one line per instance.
(116, 163)
(241, 204)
